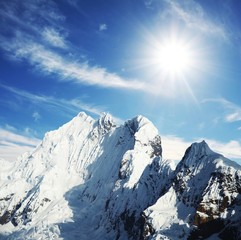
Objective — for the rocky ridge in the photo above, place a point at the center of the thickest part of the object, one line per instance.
(93, 179)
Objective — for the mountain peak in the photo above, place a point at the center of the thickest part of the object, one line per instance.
(142, 128)
(198, 150)
(106, 122)
(91, 179)
(201, 148)
(82, 115)
(197, 156)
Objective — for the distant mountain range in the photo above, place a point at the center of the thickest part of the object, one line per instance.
(91, 179)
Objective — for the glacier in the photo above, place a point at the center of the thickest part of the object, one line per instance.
(92, 179)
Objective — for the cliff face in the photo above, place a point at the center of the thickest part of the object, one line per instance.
(93, 179)
(203, 199)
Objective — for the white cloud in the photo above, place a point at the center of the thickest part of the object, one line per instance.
(34, 15)
(50, 62)
(44, 21)
(232, 112)
(36, 116)
(148, 3)
(235, 116)
(102, 27)
(193, 15)
(53, 37)
(231, 149)
(14, 144)
(72, 106)
(9, 136)
(174, 147)
(9, 127)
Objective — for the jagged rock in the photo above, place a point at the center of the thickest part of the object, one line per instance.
(91, 179)
(202, 199)
(85, 168)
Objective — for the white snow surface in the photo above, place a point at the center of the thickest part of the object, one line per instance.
(60, 190)
(199, 180)
(91, 179)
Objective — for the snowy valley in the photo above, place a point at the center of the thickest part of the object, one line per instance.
(91, 179)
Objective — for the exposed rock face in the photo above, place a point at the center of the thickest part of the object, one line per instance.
(203, 198)
(221, 202)
(93, 180)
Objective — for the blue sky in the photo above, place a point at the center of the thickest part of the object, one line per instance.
(58, 58)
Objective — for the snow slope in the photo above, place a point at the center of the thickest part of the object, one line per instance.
(68, 186)
(202, 201)
(91, 179)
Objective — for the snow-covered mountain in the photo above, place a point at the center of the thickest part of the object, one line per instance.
(202, 201)
(91, 179)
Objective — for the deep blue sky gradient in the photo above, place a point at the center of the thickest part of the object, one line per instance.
(203, 103)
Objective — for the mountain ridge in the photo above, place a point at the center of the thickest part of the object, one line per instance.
(93, 179)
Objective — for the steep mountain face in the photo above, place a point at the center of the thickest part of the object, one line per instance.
(93, 180)
(88, 179)
(202, 200)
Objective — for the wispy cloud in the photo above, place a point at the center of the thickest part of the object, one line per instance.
(194, 16)
(148, 3)
(74, 105)
(102, 27)
(73, 3)
(50, 62)
(37, 32)
(235, 116)
(174, 147)
(9, 136)
(9, 128)
(232, 112)
(15, 144)
(231, 149)
(30, 16)
(36, 116)
(53, 37)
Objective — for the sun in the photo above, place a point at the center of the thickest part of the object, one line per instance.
(174, 57)
(171, 62)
